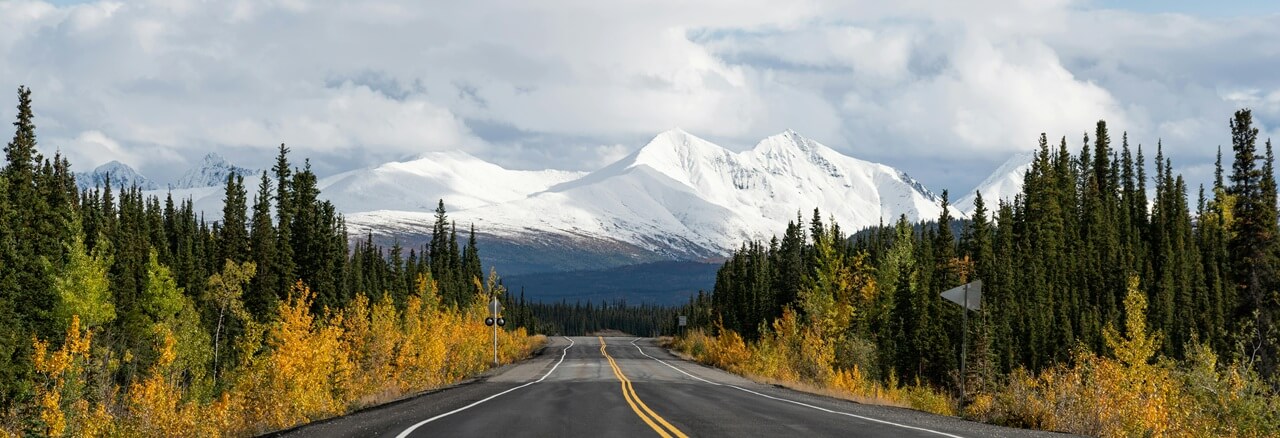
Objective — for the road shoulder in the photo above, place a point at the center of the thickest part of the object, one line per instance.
(389, 418)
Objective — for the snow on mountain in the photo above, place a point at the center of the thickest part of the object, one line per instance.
(211, 172)
(1003, 184)
(685, 197)
(207, 201)
(678, 197)
(121, 175)
(463, 181)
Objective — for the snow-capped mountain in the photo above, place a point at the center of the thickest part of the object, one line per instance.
(683, 197)
(679, 197)
(463, 181)
(1003, 184)
(211, 172)
(121, 175)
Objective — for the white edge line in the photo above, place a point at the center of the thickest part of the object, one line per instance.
(446, 414)
(792, 401)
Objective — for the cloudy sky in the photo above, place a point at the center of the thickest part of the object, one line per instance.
(943, 90)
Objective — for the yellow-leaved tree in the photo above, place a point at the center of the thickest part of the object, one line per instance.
(421, 356)
(225, 293)
(59, 386)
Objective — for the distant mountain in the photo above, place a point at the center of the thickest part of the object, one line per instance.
(212, 171)
(679, 197)
(463, 181)
(120, 174)
(684, 198)
(1004, 183)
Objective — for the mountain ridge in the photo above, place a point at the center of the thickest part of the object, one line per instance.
(677, 197)
(686, 198)
(119, 174)
(212, 171)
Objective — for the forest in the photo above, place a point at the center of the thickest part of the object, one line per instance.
(585, 318)
(126, 314)
(1109, 307)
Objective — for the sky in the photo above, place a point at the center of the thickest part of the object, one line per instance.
(945, 91)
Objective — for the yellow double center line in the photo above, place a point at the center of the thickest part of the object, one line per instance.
(638, 406)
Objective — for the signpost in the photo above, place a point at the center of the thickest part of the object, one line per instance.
(969, 297)
(683, 321)
(495, 320)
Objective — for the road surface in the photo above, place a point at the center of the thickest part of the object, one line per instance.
(625, 387)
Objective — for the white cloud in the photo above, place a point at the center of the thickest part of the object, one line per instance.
(350, 117)
(92, 148)
(916, 84)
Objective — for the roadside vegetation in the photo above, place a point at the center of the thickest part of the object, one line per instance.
(1104, 312)
(132, 316)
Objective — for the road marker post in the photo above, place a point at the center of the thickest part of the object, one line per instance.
(495, 320)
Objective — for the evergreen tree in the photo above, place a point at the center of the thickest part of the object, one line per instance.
(439, 253)
(261, 297)
(234, 241)
(789, 267)
(462, 287)
(1252, 244)
(13, 344)
(471, 258)
(38, 230)
(285, 267)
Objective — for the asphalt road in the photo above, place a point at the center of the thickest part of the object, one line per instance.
(631, 387)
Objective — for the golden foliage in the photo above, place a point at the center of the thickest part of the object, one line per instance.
(797, 354)
(421, 355)
(1130, 396)
(316, 367)
(155, 405)
(300, 367)
(60, 378)
(304, 373)
(819, 351)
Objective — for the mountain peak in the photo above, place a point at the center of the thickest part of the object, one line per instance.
(675, 138)
(120, 174)
(790, 140)
(1003, 184)
(212, 171)
(677, 152)
(213, 158)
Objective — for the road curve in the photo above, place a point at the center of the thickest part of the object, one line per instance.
(587, 386)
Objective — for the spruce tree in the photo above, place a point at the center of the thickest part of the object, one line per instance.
(1252, 245)
(38, 230)
(285, 267)
(439, 253)
(462, 287)
(471, 258)
(13, 342)
(262, 296)
(234, 241)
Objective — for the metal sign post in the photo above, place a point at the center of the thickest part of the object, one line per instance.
(967, 301)
(495, 320)
(683, 321)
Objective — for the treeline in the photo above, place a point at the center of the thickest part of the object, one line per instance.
(1056, 265)
(125, 287)
(579, 319)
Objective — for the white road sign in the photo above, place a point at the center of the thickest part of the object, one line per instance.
(957, 295)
